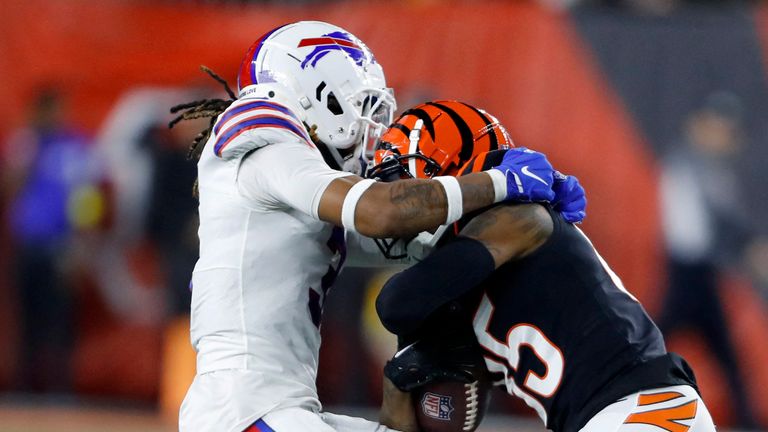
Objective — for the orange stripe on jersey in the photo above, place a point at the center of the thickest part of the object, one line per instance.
(666, 418)
(473, 165)
(654, 398)
(479, 162)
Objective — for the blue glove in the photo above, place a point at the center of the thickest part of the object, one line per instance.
(529, 175)
(570, 200)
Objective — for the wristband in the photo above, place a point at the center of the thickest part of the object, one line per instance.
(350, 203)
(453, 197)
(499, 180)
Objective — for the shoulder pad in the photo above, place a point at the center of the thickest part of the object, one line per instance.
(253, 123)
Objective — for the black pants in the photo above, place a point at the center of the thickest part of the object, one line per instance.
(692, 301)
(47, 321)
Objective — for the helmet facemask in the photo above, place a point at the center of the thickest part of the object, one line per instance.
(378, 111)
(354, 122)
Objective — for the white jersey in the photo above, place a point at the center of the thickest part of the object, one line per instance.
(266, 261)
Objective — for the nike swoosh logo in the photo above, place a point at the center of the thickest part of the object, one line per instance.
(532, 175)
(397, 354)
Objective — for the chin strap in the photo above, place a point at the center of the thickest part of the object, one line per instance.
(353, 163)
(333, 157)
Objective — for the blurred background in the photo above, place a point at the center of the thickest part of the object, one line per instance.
(660, 107)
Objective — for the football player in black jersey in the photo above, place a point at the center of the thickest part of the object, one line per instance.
(554, 323)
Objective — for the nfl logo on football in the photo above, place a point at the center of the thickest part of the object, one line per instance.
(437, 406)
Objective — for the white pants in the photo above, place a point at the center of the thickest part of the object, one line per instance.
(673, 409)
(302, 420)
(223, 401)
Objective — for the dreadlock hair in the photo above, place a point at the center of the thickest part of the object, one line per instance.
(210, 108)
(204, 108)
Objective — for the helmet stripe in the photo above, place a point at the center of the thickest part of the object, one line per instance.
(327, 41)
(402, 128)
(489, 128)
(247, 68)
(424, 116)
(467, 140)
(244, 77)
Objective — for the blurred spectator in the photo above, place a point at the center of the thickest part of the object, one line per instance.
(706, 229)
(145, 266)
(50, 177)
(171, 220)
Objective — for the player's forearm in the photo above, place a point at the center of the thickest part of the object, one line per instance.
(510, 231)
(401, 208)
(407, 207)
(477, 191)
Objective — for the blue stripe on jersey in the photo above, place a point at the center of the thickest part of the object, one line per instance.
(249, 106)
(263, 426)
(267, 121)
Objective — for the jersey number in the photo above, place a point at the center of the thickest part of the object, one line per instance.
(504, 357)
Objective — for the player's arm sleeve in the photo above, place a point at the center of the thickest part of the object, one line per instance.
(289, 174)
(411, 296)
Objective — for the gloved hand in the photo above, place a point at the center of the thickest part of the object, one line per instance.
(529, 175)
(570, 200)
(425, 361)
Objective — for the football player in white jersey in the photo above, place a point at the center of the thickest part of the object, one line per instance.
(271, 212)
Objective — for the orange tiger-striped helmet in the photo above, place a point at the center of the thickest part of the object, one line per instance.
(436, 138)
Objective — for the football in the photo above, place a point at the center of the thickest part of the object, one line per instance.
(451, 406)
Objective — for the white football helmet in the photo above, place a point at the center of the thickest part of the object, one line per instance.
(327, 72)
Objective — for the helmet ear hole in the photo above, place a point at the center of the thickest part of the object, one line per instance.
(333, 104)
(319, 91)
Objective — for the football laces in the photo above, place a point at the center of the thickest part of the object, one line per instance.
(472, 405)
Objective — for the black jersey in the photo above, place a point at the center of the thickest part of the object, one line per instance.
(567, 336)
(557, 327)
(564, 332)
